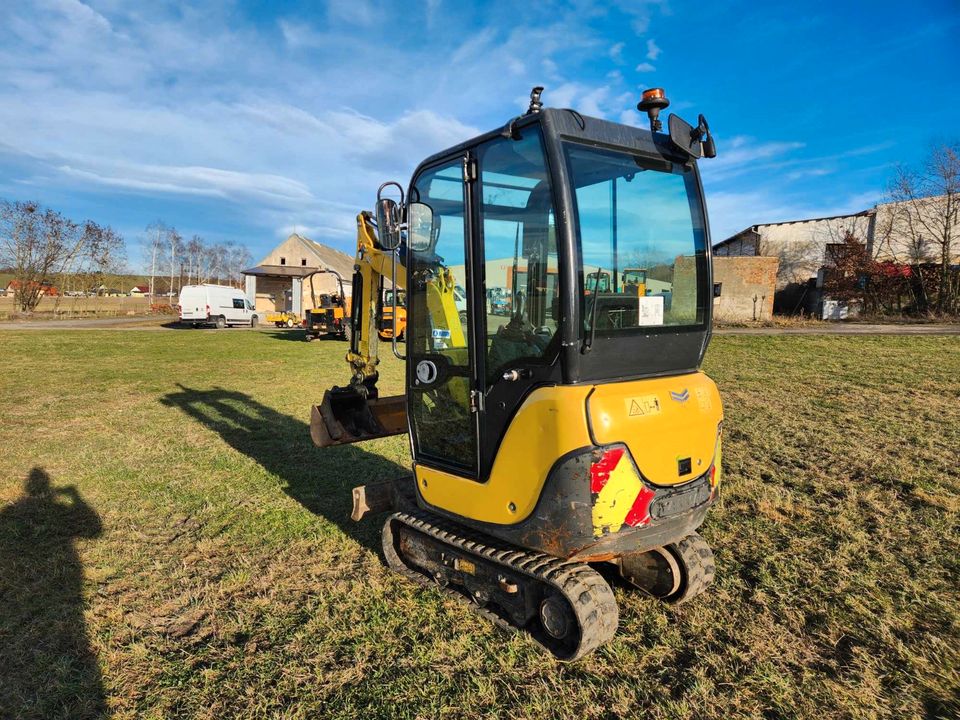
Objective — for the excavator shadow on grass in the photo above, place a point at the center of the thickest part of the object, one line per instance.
(319, 479)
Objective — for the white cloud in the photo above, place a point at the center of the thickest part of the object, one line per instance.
(550, 69)
(408, 139)
(653, 50)
(296, 124)
(432, 7)
(282, 116)
(300, 35)
(356, 12)
(616, 52)
(324, 219)
(80, 14)
(212, 182)
(810, 172)
(742, 154)
(632, 117)
(474, 46)
(732, 211)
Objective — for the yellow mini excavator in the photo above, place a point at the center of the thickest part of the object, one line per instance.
(575, 433)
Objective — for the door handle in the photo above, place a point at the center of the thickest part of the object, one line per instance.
(514, 375)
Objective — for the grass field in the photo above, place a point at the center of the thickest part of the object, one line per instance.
(172, 545)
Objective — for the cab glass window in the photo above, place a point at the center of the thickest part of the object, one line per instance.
(642, 241)
(522, 309)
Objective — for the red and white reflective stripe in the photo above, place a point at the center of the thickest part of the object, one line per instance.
(639, 513)
(601, 469)
(620, 496)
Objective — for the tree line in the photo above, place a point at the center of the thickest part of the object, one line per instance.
(927, 214)
(43, 248)
(915, 243)
(175, 262)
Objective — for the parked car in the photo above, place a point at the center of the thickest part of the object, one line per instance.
(498, 302)
(217, 305)
(460, 301)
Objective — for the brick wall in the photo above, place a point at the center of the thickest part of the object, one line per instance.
(743, 279)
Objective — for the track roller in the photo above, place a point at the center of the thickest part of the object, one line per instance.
(674, 573)
(566, 606)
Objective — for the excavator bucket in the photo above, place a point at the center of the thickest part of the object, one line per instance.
(344, 416)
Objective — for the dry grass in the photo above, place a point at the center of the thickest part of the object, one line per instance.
(193, 556)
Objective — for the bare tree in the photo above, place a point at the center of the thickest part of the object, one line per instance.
(99, 253)
(238, 259)
(176, 251)
(215, 258)
(220, 262)
(194, 254)
(156, 241)
(32, 243)
(41, 245)
(928, 207)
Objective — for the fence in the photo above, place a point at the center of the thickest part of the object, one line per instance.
(84, 306)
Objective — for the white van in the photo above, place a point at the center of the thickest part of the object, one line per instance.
(218, 305)
(460, 301)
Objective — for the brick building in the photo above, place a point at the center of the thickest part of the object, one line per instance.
(889, 231)
(282, 280)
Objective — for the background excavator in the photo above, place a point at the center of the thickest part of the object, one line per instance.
(574, 439)
(330, 311)
(388, 324)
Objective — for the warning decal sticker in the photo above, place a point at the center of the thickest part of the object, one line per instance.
(642, 406)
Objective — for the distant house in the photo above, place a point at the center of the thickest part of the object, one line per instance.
(104, 291)
(140, 290)
(46, 288)
(281, 281)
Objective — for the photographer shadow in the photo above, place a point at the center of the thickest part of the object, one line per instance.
(47, 669)
(320, 480)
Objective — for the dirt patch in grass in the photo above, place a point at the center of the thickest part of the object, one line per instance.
(172, 545)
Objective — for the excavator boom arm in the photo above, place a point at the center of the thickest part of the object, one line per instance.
(371, 265)
(356, 412)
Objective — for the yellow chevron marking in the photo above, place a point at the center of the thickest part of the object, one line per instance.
(617, 497)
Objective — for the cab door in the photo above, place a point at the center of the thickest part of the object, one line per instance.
(517, 261)
(441, 363)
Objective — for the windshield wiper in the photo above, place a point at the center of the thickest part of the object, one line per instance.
(588, 343)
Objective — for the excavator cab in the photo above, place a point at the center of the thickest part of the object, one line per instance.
(577, 427)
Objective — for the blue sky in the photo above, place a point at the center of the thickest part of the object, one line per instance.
(241, 121)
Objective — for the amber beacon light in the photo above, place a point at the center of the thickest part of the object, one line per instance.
(652, 101)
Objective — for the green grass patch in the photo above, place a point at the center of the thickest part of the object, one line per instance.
(173, 545)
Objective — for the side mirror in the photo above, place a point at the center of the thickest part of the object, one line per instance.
(684, 136)
(696, 141)
(420, 226)
(388, 223)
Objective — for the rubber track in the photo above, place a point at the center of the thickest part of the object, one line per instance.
(697, 557)
(586, 591)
